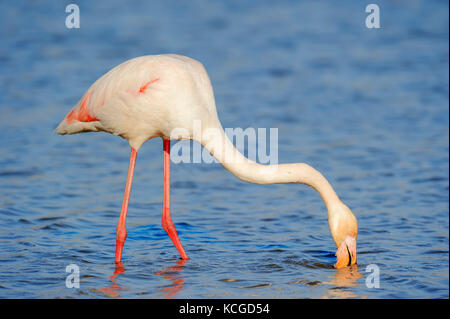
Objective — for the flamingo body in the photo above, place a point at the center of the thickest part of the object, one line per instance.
(145, 97)
(155, 95)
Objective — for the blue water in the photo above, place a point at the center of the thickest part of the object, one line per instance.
(367, 107)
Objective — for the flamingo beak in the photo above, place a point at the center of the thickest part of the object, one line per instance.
(346, 253)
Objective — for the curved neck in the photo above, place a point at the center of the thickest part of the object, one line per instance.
(218, 144)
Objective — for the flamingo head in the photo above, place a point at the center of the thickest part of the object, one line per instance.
(344, 230)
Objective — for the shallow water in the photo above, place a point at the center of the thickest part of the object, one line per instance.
(368, 108)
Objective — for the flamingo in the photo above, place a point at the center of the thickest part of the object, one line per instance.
(155, 95)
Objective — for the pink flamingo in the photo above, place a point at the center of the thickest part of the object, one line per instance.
(156, 95)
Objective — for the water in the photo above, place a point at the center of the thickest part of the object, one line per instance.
(368, 108)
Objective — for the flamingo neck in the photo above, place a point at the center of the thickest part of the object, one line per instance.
(218, 144)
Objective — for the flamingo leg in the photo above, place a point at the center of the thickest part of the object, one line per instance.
(167, 223)
(121, 234)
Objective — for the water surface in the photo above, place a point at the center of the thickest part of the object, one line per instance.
(368, 108)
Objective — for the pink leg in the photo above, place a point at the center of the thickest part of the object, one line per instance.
(167, 223)
(121, 234)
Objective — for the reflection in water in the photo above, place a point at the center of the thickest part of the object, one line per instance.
(173, 274)
(113, 290)
(343, 278)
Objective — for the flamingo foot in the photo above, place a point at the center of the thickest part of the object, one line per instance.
(170, 229)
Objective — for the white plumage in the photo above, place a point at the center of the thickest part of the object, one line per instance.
(177, 85)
